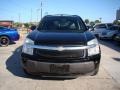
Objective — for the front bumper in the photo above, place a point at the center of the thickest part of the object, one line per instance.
(85, 67)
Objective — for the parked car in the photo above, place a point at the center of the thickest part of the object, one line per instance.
(110, 33)
(61, 46)
(99, 28)
(8, 35)
(117, 37)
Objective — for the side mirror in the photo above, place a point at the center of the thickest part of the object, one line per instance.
(88, 27)
(33, 27)
(91, 29)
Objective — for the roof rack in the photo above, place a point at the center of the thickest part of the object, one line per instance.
(62, 15)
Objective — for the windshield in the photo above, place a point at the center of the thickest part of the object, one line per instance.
(99, 26)
(61, 24)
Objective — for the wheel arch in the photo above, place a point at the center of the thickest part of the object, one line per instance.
(6, 36)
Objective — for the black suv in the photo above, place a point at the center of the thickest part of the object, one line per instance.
(61, 46)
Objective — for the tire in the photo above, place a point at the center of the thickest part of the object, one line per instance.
(4, 41)
(95, 72)
(113, 37)
(100, 38)
(97, 36)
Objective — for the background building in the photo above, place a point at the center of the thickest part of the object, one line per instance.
(6, 23)
(118, 14)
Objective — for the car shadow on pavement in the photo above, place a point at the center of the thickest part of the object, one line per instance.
(111, 44)
(13, 65)
(11, 43)
(117, 59)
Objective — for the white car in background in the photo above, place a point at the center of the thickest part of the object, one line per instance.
(109, 33)
(105, 30)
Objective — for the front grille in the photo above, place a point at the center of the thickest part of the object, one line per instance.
(53, 54)
(59, 43)
(104, 33)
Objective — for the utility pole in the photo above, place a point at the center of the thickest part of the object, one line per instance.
(19, 17)
(31, 16)
(100, 20)
(37, 14)
(41, 9)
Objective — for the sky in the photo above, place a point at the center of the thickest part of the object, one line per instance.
(29, 10)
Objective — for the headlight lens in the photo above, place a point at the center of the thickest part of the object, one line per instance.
(110, 33)
(27, 46)
(94, 50)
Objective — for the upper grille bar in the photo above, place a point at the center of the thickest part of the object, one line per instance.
(61, 48)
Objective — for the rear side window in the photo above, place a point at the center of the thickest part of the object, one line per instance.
(100, 26)
(61, 23)
(114, 28)
(109, 25)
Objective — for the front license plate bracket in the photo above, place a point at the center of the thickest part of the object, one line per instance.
(59, 69)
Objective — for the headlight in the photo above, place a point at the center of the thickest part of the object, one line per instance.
(110, 33)
(94, 50)
(27, 46)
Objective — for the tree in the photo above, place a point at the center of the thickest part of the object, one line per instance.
(87, 21)
(97, 21)
(17, 24)
(116, 22)
(92, 23)
(27, 25)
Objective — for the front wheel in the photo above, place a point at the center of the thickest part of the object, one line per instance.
(98, 37)
(95, 72)
(4, 41)
(113, 37)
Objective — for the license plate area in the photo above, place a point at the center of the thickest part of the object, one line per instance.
(59, 69)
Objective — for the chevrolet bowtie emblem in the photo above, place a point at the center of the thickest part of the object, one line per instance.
(60, 48)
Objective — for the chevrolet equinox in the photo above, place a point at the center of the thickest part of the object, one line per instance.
(61, 46)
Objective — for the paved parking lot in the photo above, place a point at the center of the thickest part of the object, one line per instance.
(12, 76)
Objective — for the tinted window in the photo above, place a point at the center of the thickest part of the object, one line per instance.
(100, 26)
(114, 28)
(109, 25)
(61, 23)
(1, 27)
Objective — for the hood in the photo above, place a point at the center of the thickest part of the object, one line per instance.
(60, 38)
